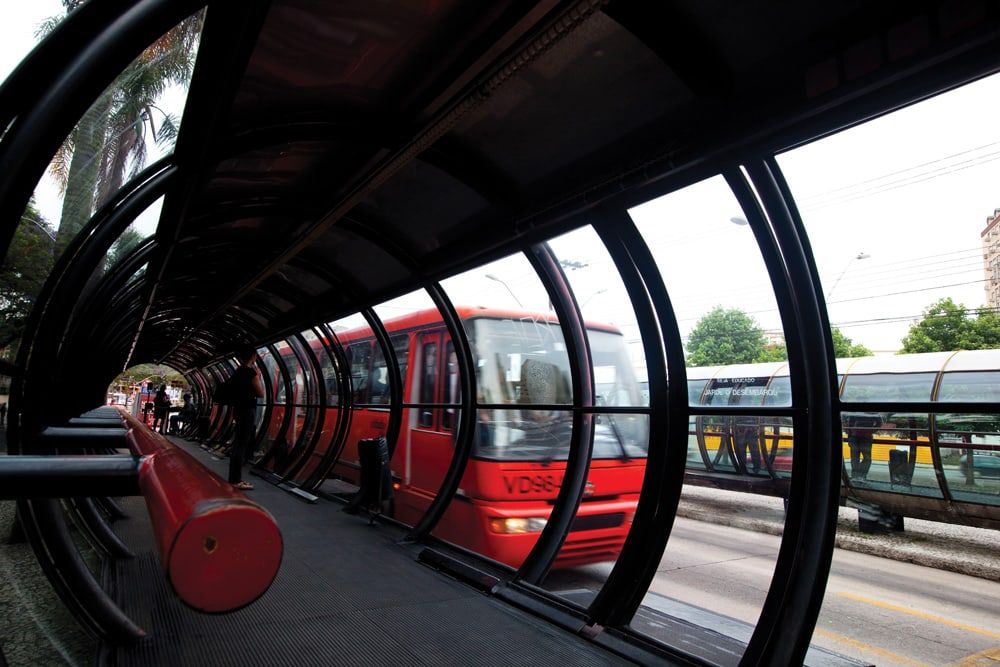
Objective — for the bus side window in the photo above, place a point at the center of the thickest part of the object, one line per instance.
(401, 348)
(451, 389)
(359, 356)
(329, 378)
(428, 384)
(379, 379)
(277, 378)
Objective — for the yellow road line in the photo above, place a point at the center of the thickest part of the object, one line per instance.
(981, 659)
(919, 614)
(868, 648)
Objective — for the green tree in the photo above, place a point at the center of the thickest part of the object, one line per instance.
(947, 326)
(845, 347)
(734, 337)
(776, 352)
(127, 242)
(27, 265)
(725, 337)
(154, 373)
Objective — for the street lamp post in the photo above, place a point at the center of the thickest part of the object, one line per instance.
(587, 300)
(860, 255)
(490, 276)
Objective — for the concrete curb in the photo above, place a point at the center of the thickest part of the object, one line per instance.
(961, 549)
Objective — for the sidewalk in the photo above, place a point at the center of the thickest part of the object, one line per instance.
(955, 548)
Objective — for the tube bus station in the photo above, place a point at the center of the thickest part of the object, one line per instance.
(464, 297)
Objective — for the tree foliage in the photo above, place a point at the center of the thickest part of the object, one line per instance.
(734, 337)
(24, 271)
(725, 336)
(845, 347)
(154, 373)
(947, 326)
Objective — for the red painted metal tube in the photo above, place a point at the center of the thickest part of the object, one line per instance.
(220, 551)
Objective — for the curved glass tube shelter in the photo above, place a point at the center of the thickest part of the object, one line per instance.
(560, 259)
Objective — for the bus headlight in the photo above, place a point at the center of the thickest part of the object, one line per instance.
(517, 525)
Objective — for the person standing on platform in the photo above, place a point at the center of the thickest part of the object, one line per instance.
(245, 388)
(3, 414)
(161, 405)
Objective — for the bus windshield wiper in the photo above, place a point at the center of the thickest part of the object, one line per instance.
(625, 458)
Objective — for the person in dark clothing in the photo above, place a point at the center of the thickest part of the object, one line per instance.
(3, 414)
(185, 416)
(860, 435)
(745, 440)
(246, 389)
(161, 404)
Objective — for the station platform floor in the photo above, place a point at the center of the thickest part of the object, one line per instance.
(347, 593)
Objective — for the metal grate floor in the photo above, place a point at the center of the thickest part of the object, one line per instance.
(346, 594)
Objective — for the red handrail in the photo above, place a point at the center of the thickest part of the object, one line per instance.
(220, 550)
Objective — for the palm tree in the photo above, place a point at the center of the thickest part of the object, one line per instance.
(109, 143)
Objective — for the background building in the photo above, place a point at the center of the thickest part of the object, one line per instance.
(991, 258)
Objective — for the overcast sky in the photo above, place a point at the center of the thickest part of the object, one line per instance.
(910, 193)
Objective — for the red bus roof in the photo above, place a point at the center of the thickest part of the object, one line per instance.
(431, 316)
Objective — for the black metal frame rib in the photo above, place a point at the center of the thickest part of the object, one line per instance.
(335, 352)
(392, 371)
(642, 552)
(536, 565)
(312, 426)
(793, 602)
(466, 420)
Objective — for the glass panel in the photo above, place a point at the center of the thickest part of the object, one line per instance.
(888, 387)
(734, 345)
(970, 386)
(961, 436)
(133, 122)
(607, 309)
(889, 452)
(134, 235)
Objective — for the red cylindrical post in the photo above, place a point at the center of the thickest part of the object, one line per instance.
(220, 551)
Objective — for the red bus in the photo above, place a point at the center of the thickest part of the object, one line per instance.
(519, 451)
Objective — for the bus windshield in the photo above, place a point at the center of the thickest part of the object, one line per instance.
(523, 362)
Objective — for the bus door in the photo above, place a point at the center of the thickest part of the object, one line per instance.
(431, 441)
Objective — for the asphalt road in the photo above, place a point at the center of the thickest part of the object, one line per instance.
(878, 611)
